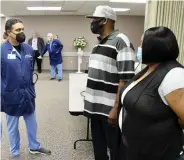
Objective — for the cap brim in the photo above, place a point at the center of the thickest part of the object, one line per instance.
(90, 16)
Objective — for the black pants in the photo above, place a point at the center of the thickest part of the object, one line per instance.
(38, 61)
(103, 136)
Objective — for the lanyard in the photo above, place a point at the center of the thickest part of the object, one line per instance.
(51, 46)
(14, 50)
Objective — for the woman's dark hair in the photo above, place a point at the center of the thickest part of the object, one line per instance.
(159, 45)
(11, 22)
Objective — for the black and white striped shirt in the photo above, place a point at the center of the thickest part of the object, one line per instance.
(111, 60)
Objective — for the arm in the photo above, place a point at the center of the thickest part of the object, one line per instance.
(3, 84)
(125, 65)
(33, 59)
(175, 100)
(172, 89)
(44, 51)
(114, 112)
(60, 46)
(120, 86)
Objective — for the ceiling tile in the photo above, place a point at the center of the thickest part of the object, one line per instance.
(84, 7)
(73, 5)
(90, 6)
(33, 3)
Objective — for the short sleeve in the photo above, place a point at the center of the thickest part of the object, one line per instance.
(173, 80)
(125, 58)
(125, 63)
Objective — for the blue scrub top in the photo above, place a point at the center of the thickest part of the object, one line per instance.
(17, 89)
(54, 48)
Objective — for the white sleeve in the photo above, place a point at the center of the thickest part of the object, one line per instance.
(173, 80)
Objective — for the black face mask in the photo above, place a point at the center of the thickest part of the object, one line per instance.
(96, 27)
(20, 37)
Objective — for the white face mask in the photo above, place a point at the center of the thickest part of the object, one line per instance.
(139, 54)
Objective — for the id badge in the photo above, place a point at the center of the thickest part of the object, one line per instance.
(11, 56)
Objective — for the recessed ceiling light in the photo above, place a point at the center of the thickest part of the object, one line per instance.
(128, 1)
(2, 15)
(44, 8)
(121, 9)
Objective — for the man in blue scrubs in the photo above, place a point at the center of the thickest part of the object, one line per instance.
(54, 47)
(17, 88)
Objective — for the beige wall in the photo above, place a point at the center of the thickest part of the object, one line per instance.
(69, 27)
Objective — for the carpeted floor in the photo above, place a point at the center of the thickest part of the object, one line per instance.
(57, 129)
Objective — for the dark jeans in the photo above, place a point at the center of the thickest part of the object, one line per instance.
(103, 136)
(38, 61)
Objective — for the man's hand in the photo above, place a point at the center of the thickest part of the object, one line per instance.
(112, 120)
(40, 57)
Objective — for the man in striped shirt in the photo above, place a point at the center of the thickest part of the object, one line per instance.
(111, 65)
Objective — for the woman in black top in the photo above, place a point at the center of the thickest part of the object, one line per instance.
(151, 110)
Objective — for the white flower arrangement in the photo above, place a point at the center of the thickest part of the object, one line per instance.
(80, 42)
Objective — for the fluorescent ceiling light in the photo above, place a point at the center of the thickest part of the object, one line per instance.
(44, 8)
(128, 1)
(121, 9)
(2, 15)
